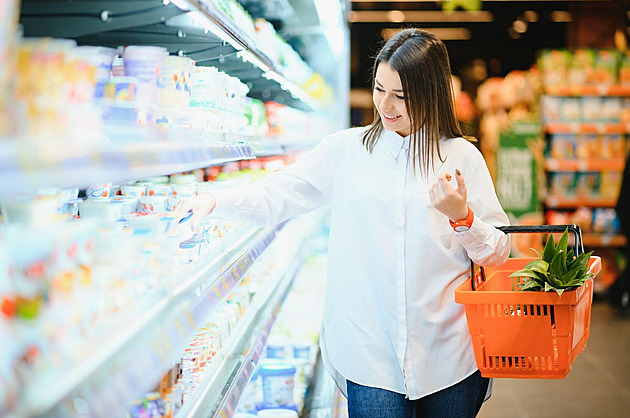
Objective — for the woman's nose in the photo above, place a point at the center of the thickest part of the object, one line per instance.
(386, 102)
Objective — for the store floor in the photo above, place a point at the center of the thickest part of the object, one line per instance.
(598, 386)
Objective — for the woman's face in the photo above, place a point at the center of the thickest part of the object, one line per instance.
(389, 100)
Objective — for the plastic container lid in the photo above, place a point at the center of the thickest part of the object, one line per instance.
(277, 413)
(276, 369)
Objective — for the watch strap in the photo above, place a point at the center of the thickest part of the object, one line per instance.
(467, 222)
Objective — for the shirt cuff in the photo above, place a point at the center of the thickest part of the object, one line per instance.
(477, 233)
(225, 200)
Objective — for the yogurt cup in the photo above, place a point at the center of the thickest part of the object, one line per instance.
(133, 191)
(99, 191)
(153, 204)
(158, 190)
(104, 209)
(183, 190)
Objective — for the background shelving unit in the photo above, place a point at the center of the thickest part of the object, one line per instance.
(593, 119)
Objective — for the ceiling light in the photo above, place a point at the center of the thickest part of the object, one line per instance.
(421, 16)
(396, 16)
(530, 16)
(560, 16)
(445, 34)
(519, 26)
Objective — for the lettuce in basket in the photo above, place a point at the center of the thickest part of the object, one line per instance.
(556, 269)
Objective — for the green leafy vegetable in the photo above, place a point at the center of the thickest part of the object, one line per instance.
(556, 269)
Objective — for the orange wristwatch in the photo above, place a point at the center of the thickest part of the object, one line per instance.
(463, 224)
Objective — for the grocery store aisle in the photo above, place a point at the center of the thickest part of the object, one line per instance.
(598, 386)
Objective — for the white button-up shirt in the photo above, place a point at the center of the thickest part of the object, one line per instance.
(394, 261)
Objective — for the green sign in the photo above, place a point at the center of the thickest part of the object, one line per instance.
(517, 171)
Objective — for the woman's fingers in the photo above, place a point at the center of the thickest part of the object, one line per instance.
(461, 183)
(201, 206)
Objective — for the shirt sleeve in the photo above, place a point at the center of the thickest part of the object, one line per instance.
(486, 245)
(304, 186)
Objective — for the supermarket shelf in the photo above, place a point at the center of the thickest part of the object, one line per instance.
(563, 202)
(615, 90)
(553, 164)
(603, 240)
(27, 166)
(226, 383)
(586, 128)
(202, 32)
(131, 360)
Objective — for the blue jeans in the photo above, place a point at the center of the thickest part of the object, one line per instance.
(462, 400)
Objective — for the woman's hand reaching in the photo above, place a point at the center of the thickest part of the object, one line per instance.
(201, 206)
(451, 202)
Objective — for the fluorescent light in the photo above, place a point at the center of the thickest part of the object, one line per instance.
(182, 4)
(421, 16)
(204, 22)
(253, 59)
(445, 34)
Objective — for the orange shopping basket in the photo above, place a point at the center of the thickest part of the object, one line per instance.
(526, 334)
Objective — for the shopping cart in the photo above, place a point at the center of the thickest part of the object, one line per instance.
(526, 334)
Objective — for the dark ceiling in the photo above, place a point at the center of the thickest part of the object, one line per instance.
(502, 49)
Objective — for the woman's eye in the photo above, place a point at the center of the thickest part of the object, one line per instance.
(401, 97)
(379, 89)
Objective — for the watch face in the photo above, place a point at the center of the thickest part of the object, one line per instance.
(461, 228)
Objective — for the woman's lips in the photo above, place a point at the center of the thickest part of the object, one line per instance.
(390, 118)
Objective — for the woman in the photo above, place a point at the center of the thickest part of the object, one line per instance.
(403, 230)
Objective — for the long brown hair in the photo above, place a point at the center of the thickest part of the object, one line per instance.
(422, 63)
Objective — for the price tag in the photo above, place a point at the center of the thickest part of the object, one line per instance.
(217, 292)
(226, 288)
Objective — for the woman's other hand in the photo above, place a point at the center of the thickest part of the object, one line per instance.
(201, 206)
(451, 202)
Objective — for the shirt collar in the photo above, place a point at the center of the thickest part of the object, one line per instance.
(395, 143)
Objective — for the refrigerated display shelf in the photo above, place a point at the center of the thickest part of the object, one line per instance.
(129, 363)
(199, 30)
(564, 202)
(613, 164)
(586, 128)
(614, 90)
(25, 167)
(227, 380)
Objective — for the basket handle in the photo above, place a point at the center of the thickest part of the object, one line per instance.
(574, 229)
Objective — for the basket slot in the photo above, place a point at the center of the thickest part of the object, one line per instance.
(522, 364)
